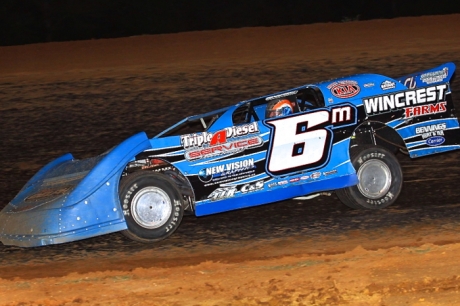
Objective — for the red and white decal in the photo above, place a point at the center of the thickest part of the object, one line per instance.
(423, 110)
(195, 140)
(344, 89)
(224, 148)
(229, 140)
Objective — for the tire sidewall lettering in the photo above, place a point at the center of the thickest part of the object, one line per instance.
(127, 200)
(384, 199)
(373, 155)
(389, 195)
(352, 196)
(127, 194)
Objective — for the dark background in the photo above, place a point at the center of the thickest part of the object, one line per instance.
(34, 21)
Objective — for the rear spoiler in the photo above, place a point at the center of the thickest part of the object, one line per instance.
(438, 75)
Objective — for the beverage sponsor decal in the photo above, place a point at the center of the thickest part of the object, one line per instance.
(432, 98)
(229, 140)
(435, 76)
(344, 89)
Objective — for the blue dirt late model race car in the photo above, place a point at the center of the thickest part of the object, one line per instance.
(340, 135)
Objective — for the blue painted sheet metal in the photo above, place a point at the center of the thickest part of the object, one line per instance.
(339, 173)
(67, 200)
(270, 196)
(438, 75)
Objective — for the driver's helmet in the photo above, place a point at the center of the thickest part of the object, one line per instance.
(278, 108)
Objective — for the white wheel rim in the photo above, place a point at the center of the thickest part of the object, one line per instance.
(151, 207)
(374, 179)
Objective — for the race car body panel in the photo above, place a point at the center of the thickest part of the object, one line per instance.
(70, 199)
(242, 170)
(241, 156)
(418, 106)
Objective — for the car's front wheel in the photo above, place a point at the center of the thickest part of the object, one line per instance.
(380, 179)
(152, 206)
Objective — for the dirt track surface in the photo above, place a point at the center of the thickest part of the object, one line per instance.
(85, 97)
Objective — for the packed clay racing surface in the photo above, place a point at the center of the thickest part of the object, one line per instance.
(85, 97)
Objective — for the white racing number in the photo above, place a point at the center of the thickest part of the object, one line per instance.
(303, 142)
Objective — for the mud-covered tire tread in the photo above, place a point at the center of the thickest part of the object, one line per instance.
(146, 178)
(346, 196)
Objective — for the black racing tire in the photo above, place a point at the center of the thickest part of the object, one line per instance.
(380, 179)
(152, 206)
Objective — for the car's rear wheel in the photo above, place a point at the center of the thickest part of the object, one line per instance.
(152, 206)
(380, 179)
